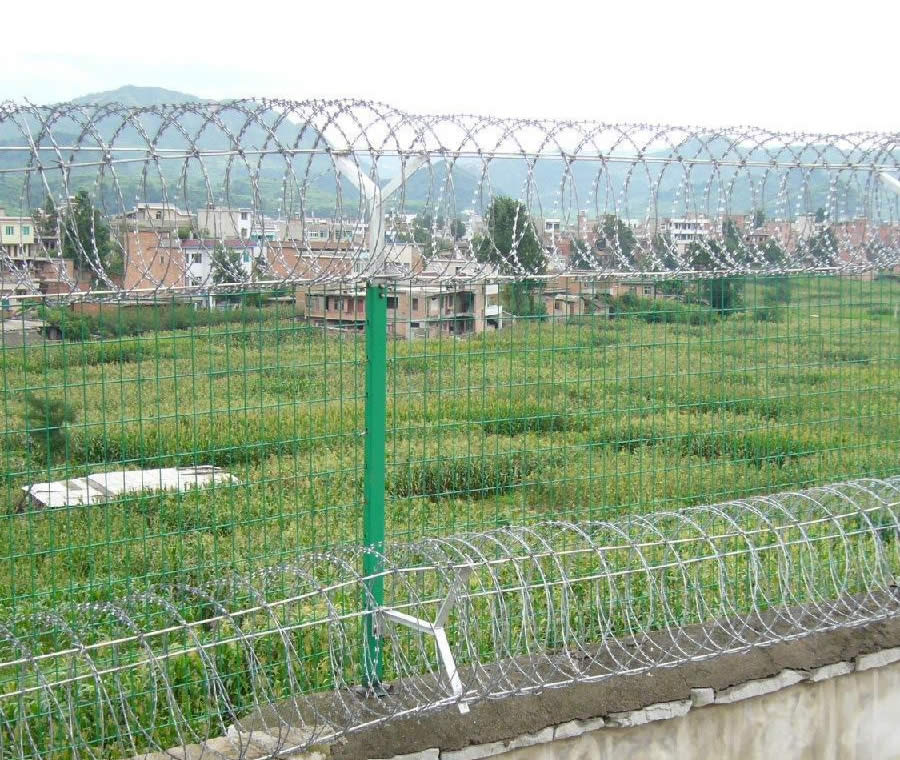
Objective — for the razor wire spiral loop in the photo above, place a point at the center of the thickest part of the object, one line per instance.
(542, 606)
(359, 165)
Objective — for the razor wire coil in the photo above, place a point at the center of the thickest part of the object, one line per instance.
(328, 189)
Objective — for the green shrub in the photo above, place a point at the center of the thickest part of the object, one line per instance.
(47, 422)
(127, 320)
(476, 478)
(661, 311)
(534, 420)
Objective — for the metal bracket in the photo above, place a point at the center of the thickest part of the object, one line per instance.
(437, 629)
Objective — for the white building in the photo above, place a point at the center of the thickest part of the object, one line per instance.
(687, 230)
(16, 236)
(198, 257)
(224, 222)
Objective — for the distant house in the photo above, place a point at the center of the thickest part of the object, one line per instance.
(17, 236)
(30, 263)
(223, 222)
(570, 297)
(415, 310)
(159, 217)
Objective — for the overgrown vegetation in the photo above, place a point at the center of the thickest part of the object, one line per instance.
(660, 405)
(113, 321)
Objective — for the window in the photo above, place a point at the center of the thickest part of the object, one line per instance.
(9, 230)
(392, 302)
(244, 215)
(414, 324)
(26, 230)
(648, 290)
(159, 215)
(415, 304)
(197, 258)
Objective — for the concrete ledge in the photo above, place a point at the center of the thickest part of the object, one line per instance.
(878, 659)
(619, 703)
(661, 711)
(759, 687)
(658, 711)
(584, 707)
(830, 671)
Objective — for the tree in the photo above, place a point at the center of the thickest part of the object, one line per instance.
(581, 257)
(47, 422)
(772, 252)
(663, 250)
(521, 298)
(422, 233)
(458, 229)
(226, 265)
(722, 293)
(85, 236)
(613, 234)
(511, 243)
(46, 219)
(822, 247)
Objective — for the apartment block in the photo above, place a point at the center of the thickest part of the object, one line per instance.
(685, 231)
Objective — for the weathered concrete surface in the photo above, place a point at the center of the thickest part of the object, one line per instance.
(847, 717)
(500, 721)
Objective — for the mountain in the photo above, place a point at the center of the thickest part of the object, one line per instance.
(137, 97)
(307, 182)
(304, 181)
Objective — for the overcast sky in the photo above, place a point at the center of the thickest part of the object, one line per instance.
(784, 65)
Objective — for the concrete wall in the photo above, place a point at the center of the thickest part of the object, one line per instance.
(850, 717)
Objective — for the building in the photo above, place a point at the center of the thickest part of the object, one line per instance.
(30, 263)
(153, 259)
(160, 217)
(684, 231)
(572, 297)
(223, 222)
(17, 236)
(416, 310)
(309, 230)
(198, 258)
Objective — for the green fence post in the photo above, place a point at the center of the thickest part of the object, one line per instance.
(373, 515)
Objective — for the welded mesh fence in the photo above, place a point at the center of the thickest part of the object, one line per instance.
(645, 404)
(573, 322)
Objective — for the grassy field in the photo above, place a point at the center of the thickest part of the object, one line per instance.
(582, 419)
(587, 418)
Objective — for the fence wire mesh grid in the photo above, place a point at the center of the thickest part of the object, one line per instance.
(217, 473)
